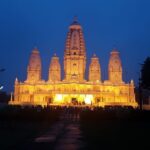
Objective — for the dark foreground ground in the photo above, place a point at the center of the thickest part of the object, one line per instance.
(73, 128)
(116, 129)
(18, 126)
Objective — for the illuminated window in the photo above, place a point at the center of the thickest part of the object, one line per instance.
(88, 99)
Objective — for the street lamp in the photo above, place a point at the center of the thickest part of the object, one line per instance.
(1, 87)
(1, 70)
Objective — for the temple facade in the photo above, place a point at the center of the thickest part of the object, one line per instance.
(74, 88)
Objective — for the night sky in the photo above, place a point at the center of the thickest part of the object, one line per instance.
(107, 24)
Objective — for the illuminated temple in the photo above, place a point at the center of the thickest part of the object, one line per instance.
(73, 88)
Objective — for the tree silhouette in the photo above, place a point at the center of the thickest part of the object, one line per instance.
(145, 74)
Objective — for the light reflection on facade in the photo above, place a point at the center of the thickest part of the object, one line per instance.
(74, 89)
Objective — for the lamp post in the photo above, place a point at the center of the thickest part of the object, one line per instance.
(1, 70)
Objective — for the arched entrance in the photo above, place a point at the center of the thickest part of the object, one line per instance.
(49, 100)
(74, 101)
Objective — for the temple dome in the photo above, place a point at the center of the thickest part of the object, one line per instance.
(54, 69)
(115, 61)
(75, 24)
(34, 67)
(115, 67)
(35, 60)
(75, 40)
(94, 69)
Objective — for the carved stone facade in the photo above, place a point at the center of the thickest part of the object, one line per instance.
(75, 54)
(115, 68)
(94, 70)
(74, 89)
(54, 69)
(34, 68)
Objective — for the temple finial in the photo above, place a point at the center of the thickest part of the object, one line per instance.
(75, 19)
(16, 80)
(35, 48)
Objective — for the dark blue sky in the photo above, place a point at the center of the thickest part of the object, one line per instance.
(24, 24)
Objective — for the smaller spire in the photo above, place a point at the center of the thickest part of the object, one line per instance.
(55, 55)
(16, 80)
(132, 82)
(11, 98)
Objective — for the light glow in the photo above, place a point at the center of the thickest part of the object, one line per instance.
(1, 87)
(88, 99)
(58, 98)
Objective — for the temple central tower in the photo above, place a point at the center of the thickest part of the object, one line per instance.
(75, 54)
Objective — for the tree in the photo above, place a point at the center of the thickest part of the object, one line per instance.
(145, 74)
(4, 97)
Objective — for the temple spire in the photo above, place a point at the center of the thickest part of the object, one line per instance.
(94, 69)
(34, 69)
(54, 69)
(75, 53)
(115, 67)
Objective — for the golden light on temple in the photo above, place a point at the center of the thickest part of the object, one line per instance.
(74, 89)
(58, 98)
(89, 99)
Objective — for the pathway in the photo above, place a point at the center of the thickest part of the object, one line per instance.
(64, 135)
